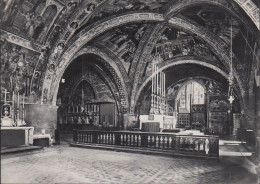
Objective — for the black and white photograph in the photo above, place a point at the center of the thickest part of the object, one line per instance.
(130, 91)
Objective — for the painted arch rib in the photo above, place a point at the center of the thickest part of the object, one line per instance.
(144, 59)
(218, 46)
(251, 9)
(216, 43)
(87, 50)
(247, 5)
(85, 36)
(193, 61)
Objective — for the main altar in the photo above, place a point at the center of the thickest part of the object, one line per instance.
(158, 117)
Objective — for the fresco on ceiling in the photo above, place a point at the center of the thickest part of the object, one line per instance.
(175, 43)
(178, 43)
(29, 18)
(120, 6)
(214, 19)
(123, 41)
(219, 22)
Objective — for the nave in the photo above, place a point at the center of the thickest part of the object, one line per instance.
(63, 164)
(176, 78)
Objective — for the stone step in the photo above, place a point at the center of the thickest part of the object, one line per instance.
(149, 151)
(20, 149)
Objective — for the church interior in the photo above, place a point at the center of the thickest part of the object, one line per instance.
(159, 77)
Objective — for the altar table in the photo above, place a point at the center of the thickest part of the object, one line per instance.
(16, 136)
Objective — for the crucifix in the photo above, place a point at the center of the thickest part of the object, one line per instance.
(6, 95)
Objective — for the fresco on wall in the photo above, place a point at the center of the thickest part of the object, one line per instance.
(17, 67)
(83, 85)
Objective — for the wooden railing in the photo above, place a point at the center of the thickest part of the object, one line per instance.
(207, 145)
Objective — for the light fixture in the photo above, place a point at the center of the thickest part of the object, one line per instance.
(231, 76)
(63, 80)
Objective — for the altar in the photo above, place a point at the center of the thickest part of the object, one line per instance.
(163, 121)
(16, 136)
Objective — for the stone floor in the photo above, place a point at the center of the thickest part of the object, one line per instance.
(64, 164)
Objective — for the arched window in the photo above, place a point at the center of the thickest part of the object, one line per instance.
(191, 93)
(83, 93)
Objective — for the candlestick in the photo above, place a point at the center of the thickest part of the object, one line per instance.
(164, 95)
(161, 84)
(13, 107)
(23, 122)
(152, 76)
(5, 95)
(18, 100)
(23, 101)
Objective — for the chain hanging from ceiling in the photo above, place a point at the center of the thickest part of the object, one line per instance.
(231, 75)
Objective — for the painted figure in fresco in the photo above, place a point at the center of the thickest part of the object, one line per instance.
(126, 47)
(139, 33)
(116, 40)
(90, 7)
(71, 6)
(29, 25)
(74, 25)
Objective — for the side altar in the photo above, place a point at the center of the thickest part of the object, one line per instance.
(16, 136)
(14, 133)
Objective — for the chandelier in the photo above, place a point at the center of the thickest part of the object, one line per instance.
(231, 75)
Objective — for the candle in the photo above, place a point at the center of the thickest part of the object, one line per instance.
(18, 100)
(5, 95)
(13, 106)
(23, 101)
(157, 81)
(152, 76)
(164, 92)
(161, 83)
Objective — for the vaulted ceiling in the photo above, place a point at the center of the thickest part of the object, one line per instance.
(125, 35)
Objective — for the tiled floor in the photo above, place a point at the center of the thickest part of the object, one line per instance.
(64, 164)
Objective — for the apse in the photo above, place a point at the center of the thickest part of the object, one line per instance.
(86, 97)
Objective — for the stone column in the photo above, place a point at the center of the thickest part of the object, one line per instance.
(41, 117)
(257, 121)
(123, 120)
(126, 121)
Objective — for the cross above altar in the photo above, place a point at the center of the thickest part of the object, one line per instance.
(5, 92)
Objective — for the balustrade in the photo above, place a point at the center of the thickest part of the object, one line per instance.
(207, 145)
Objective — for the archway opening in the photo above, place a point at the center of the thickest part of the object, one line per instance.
(86, 96)
(190, 104)
(197, 98)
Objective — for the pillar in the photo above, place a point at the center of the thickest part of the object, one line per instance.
(126, 121)
(251, 111)
(257, 125)
(41, 117)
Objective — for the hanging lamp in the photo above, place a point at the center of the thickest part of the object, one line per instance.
(231, 76)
